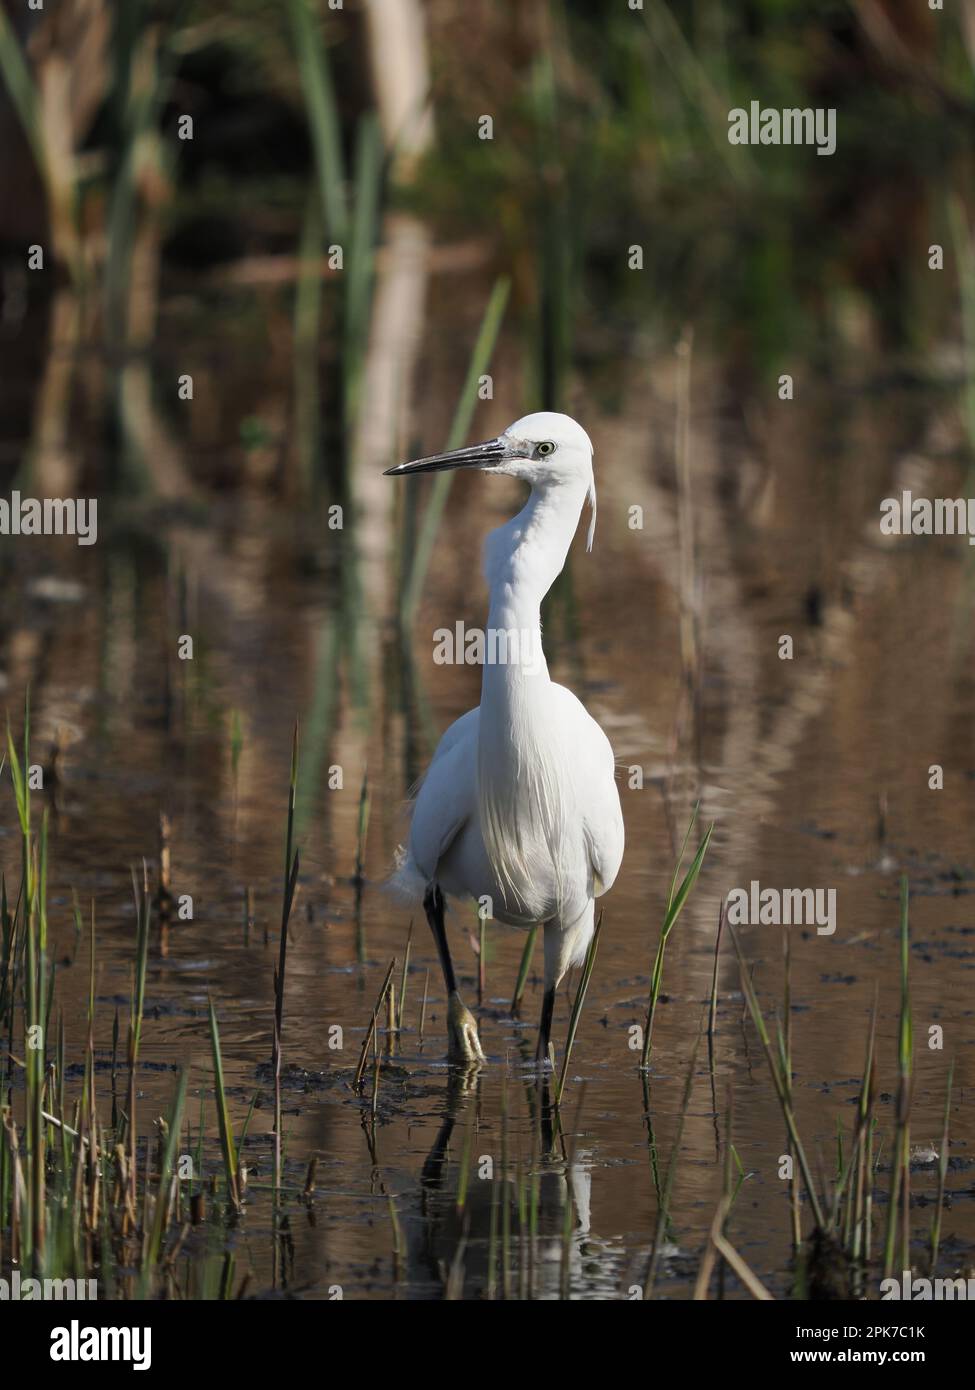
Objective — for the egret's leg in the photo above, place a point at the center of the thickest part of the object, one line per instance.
(554, 970)
(433, 907)
(545, 1024)
(463, 1043)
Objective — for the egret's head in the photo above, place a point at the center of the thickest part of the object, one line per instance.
(545, 449)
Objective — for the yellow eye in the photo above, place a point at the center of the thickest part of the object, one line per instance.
(545, 449)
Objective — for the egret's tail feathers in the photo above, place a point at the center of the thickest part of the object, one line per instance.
(406, 882)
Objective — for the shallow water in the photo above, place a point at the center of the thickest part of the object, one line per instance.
(814, 770)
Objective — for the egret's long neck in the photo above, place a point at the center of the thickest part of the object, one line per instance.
(521, 795)
(522, 561)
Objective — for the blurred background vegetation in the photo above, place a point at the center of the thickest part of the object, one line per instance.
(357, 126)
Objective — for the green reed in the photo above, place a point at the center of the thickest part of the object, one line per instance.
(463, 413)
(577, 1005)
(227, 1146)
(77, 1199)
(900, 1173)
(676, 899)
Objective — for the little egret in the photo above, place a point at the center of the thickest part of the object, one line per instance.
(519, 807)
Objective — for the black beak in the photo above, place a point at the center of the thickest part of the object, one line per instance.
(487, 455)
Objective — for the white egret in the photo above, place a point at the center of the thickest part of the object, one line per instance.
(519, 805)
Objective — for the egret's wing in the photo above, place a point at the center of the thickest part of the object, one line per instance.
(447, 795)
(603, 828)
(463, 727)
(595, 769)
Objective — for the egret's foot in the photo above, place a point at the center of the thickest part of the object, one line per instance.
(463, 1044)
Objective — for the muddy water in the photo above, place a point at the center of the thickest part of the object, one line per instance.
(815, 772)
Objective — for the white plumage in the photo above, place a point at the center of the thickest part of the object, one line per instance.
(519, 805)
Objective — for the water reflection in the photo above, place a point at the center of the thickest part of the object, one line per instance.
(793, 761)
(485, 1224)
